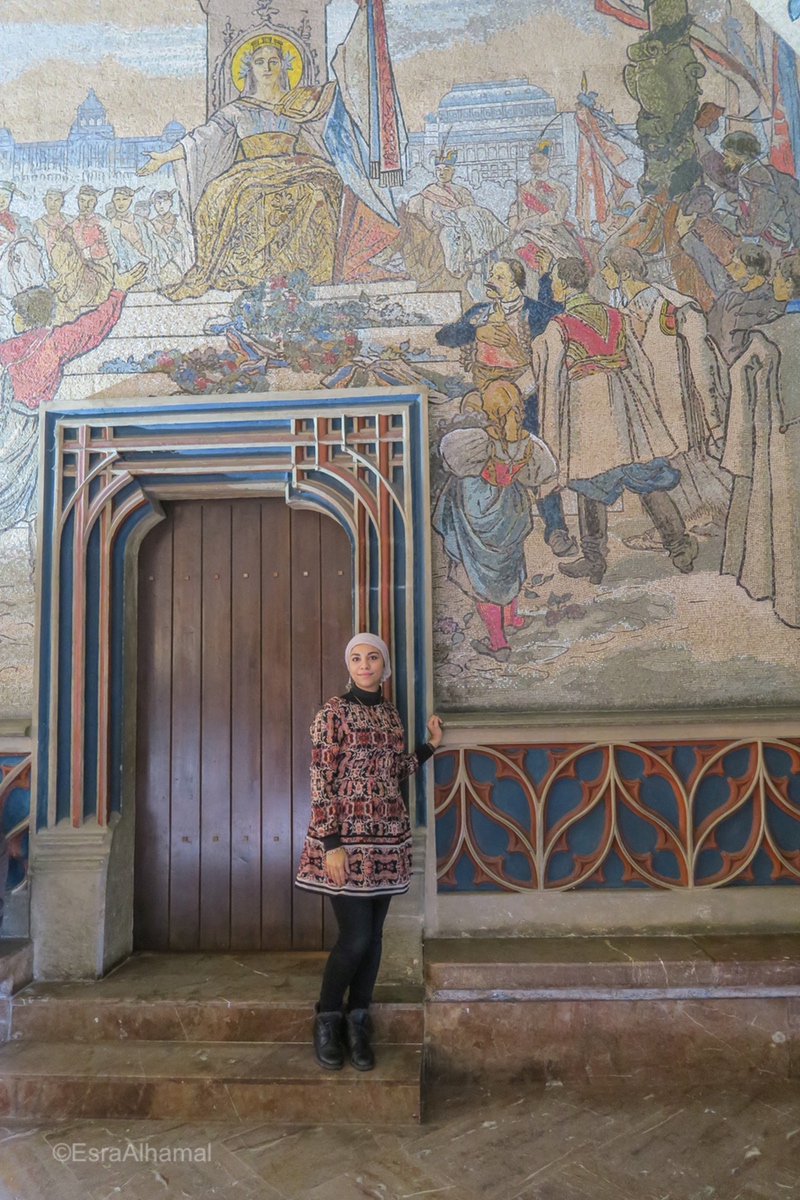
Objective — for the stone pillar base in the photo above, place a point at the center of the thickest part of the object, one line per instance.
(401, 961)
(81, 914)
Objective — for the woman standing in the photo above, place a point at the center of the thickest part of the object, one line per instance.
(358, 848)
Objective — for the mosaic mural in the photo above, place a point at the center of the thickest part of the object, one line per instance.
(576, 228)
(618, 815)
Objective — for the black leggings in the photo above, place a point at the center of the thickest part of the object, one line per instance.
(354, 960)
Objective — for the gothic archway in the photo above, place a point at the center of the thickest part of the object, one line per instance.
(105, 466)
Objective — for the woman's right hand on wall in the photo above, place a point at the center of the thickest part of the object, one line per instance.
(434, 727)
(336, 866)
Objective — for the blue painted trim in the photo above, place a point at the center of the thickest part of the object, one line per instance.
(64, 669)
(114, 414)
(418, 527)
(47, 426)
(790, 93)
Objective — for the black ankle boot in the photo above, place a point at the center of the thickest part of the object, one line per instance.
(358, 1043)
(328, 1044)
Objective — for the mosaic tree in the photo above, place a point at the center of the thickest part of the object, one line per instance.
(663, 78)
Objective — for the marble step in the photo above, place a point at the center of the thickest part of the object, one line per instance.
(204, 1082)
(41, 1012)
(225, 997)
(594, 1010)
(520, 968)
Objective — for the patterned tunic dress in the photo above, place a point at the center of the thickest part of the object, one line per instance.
(357, 765)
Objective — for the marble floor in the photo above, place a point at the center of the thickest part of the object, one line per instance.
(498, 1143)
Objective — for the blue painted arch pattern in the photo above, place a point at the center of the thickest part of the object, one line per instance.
(15, 810)
(618, 815)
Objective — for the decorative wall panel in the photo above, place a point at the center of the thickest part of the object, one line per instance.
(15, 808)
(619, 815)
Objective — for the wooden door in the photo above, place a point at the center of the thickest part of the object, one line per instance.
(245, 609)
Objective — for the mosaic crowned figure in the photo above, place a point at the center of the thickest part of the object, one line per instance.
(271, 177)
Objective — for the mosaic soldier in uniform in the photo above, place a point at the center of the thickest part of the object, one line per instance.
(538, 216)
(691, 386)
(600, 417)
(419, 243)
(468, 234)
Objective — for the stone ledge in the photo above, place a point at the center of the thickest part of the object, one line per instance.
(598, 1009)
(15, 735)
(202, 1082)
(529, 968)
(644, 1042)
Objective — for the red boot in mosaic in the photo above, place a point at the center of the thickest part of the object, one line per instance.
(497, 646)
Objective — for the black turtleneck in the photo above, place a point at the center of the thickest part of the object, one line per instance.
(354, 692)
(361, 696)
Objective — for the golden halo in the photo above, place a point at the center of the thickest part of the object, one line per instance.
(287, 49)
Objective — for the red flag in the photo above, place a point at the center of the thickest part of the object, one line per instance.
(623, 12)
(785, 109)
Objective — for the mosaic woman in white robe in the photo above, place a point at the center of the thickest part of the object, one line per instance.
(265, 200)
(289, 178)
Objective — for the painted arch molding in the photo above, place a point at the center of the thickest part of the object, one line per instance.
(358, 457)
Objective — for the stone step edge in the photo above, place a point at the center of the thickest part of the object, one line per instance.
(233, 1043)
(286, 1093)
(307, 1074)
(46, 1019)
(519, 995)
(307, 1005)
(386, 1016)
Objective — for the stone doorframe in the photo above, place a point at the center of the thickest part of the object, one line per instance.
(357, 456)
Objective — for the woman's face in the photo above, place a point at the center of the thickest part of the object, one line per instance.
(266, 65)
(366, 667)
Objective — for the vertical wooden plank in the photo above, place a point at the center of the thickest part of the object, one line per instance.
(276, 745)
(153, 730)
(246, 726)
(184, 907)
(306, 699)
(336, 626)
(215, 750)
